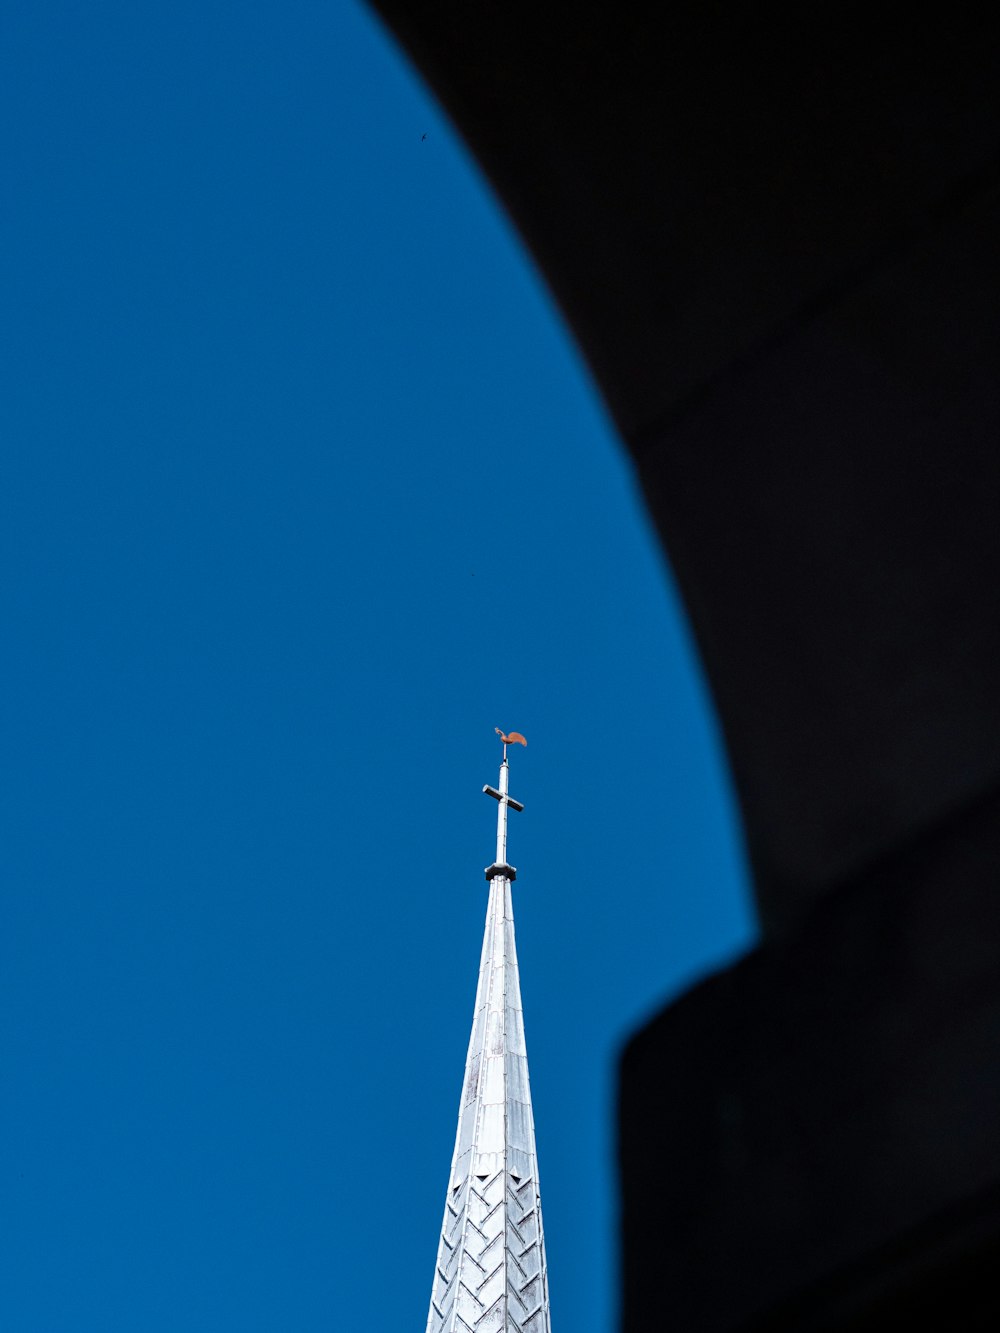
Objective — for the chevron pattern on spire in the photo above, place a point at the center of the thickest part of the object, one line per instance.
(490, 1275)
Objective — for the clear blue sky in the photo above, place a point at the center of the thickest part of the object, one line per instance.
(303, 489)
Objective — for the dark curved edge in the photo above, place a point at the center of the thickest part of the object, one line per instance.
(773, 235)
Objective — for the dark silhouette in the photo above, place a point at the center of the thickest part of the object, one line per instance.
(775, 240)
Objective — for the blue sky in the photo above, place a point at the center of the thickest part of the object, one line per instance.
(304, 489)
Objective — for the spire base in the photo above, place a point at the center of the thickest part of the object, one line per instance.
(501, 869)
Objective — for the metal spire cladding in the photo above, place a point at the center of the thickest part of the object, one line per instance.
(490, 1272)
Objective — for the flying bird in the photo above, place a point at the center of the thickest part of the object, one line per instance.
(515, 738)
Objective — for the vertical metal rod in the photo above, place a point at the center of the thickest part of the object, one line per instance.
(502, 815)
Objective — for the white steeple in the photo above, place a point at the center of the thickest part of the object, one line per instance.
(490, 1272)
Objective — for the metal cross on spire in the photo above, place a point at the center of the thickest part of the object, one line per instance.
(500, 865)
(491, 1275)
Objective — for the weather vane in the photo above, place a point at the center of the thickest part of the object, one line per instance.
(501, 866)
(515, 738)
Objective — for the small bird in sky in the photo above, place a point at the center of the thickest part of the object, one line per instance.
(423, 137)
(515, 738)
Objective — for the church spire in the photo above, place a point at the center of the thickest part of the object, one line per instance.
(490, 1272)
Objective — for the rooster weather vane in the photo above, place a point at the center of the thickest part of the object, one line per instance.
(515, 738)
